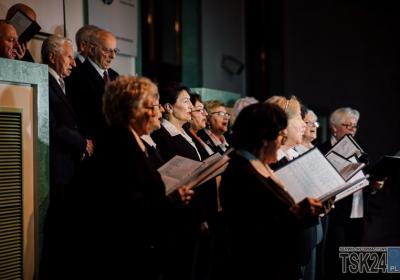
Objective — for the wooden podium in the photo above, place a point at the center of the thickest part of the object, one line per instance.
(24, 175)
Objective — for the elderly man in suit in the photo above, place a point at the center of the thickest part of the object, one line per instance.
(82, 39)
(67, 148)
(22, 51)
(8, 40)
(85, 87)
(67, 145)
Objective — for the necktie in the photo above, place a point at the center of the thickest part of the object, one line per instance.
(62, 84)
(106, 77)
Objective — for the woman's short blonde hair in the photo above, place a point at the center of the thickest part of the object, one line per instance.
(124, 96)
(291, 106)
(211, 104)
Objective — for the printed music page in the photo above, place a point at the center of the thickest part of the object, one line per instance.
(311, 175)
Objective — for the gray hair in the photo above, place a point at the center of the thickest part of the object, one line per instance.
(53, 44)
(85, 33)
(311, 112)
(240, 104)
(338, 116)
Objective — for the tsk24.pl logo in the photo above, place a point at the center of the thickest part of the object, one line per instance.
(370, 259)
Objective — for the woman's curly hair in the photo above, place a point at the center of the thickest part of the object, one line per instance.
(124, 96)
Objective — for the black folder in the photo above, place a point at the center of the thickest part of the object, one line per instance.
(26, 28)
(385, 167)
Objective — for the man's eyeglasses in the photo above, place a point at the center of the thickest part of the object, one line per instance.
(311, 124)
(350, 126)
(222, 114)
(110, 51)
(202, 111)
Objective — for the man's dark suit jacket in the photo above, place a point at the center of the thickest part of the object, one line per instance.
(77, 61)
(85, 89)
(28, 57)
(262, 231)
(67, 145)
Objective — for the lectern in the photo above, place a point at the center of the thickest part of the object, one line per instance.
(24, 171)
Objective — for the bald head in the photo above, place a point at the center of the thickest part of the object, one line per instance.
(103, 48)
(24, 8)
(8, 40)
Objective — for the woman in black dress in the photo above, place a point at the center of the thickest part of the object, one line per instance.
(263, 222)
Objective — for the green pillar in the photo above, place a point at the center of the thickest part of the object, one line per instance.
(191, 43)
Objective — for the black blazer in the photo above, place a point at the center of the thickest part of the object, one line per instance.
(206, 138)
(203, 205)
(202, 151)
(85, 89)
(206, 198)
(169, 146)
(154, 155)
(28, 57)
(67, 145)
(187, 224)
(262, 232)
(133, 209)
(77, 61)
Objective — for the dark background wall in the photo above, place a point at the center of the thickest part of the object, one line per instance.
(346, 53)
(329, 53)
(222, 34)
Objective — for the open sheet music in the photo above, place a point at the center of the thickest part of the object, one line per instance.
(312, 175)
(347, 147)
(347, 168)
(363, 183)
(180, 171)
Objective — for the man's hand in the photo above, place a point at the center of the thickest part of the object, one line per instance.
(20, 49)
